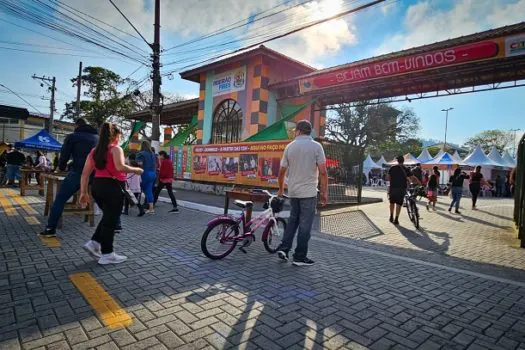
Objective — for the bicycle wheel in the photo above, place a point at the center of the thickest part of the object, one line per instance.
(408, 204)
(415, 214)
(273, 235)
(219, 239)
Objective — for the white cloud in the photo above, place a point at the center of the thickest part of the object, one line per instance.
(425, 22)
(389, 8)
(188, 18)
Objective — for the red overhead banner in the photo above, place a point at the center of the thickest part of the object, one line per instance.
(488, 49)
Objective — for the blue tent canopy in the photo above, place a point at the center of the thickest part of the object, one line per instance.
(41, 140)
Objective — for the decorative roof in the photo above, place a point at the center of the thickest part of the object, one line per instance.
(478, 157)
(496, 157)
(424, 156)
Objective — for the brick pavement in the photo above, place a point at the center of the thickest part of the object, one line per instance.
(352, 299)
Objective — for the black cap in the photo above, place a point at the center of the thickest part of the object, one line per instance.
(304, 126)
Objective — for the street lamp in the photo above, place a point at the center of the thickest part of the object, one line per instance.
(446, 126)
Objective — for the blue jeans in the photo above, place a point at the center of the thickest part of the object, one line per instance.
(13, 172)
(69, 187)
(301, 217)
(148, 180)
(457, 192)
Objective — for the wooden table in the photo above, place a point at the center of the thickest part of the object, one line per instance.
(55, 180)
(243, 195)
(25, 180)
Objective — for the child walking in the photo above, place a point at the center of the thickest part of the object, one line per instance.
(432, 188)
(133, 182)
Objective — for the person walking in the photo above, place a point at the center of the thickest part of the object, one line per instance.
(418, 172)
(147, 159)
(15, 160)
(500, 186)
(476, 180)
(432, 188)
(133, 182)
(456, 183)
(77, 147)
(166, 180)
(106, 160)
(399, 176)
(3, 168)
(305, 162)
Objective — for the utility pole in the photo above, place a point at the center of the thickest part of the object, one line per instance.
(156, 105)
(514, 142)
(79, 84)
(46, 80)
(446, 126)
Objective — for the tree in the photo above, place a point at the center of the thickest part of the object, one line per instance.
(434, 150)
(366, 126)
(489, 138)
(105, 102)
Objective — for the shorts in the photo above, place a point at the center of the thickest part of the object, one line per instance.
(432, 195)
(397, 195)
(13, 172)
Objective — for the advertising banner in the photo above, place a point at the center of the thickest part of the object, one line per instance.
(354, 73)
(253, 163)
(230, 81)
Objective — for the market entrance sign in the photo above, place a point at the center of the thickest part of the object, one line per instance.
(484, 50)
(230, 81)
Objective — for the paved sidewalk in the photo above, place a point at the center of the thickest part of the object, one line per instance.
(353, 298)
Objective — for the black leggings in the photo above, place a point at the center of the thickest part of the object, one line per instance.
(108, 195)
(169, 188)
(475, 189)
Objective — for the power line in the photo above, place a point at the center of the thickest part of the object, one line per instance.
(20, 97)
(54, 53)
(303, 27)
(131, 24)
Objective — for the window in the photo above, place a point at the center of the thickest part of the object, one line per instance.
(227, 122)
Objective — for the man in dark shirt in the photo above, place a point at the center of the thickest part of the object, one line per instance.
(398, 176)
(417, 172)
(14, 159)
(76, 146)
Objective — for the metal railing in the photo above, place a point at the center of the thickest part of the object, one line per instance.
(519, 193)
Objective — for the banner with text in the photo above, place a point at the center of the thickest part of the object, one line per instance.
(252, 164)
(230, 81)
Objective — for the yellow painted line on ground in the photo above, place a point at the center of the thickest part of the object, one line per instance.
(31, 220)
(106, 307)
(6, 204)
(51, 242)
(26, 206)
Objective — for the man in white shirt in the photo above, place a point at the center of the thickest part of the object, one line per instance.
(305, 161)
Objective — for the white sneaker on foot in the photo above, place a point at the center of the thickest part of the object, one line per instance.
(93, 248)
(112, 258)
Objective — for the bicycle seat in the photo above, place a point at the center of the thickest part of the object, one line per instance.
(243, 204)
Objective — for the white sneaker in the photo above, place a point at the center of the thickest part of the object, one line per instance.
(112, 258)
(93, 248)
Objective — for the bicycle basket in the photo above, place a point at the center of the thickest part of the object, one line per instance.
(277, 204)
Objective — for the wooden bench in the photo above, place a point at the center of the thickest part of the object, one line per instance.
(71, 208)
(25, 181)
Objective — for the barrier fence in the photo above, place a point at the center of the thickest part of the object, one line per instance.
(519, 193)
(344, 164)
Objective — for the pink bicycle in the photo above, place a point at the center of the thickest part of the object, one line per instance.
(224, 232)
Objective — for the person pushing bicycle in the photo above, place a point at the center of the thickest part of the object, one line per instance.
(399, 176)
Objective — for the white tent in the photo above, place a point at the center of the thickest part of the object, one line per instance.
(497, 158)
(477, 157)
(444, 159)
(424, 156)
(409, 160)
(382, 161)
(440, 153)
(368, 165)
(511, 162)
(457, 157)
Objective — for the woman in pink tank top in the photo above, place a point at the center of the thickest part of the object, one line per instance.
(106, 160)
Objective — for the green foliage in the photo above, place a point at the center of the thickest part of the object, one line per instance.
(105, 101)
(489, 138)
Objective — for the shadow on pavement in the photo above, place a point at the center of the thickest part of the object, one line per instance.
(423, 239)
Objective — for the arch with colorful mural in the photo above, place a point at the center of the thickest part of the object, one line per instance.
(227, 122)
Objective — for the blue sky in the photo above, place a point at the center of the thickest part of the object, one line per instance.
(399, 25)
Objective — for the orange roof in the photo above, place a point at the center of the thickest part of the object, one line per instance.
(194, 74)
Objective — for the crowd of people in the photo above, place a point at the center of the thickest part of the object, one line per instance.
(400, 177)
(96, 159)
(12, 160)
